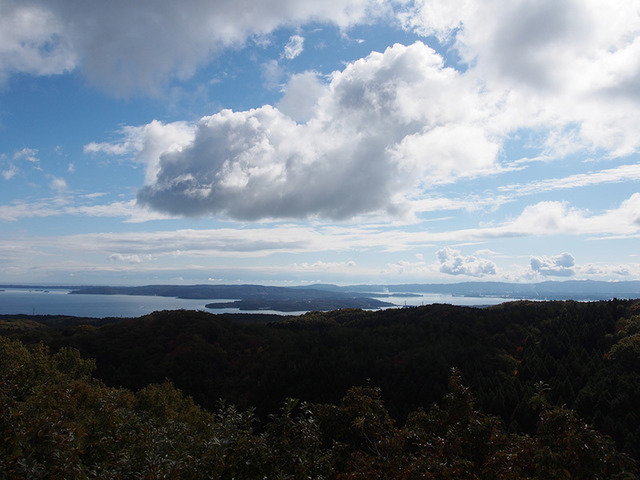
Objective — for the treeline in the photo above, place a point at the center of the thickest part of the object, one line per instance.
(58, 422)
(586, 356)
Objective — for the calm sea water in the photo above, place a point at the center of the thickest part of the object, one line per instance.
(60, 302)
(430, 298)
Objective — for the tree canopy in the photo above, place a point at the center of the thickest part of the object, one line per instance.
(58, 422)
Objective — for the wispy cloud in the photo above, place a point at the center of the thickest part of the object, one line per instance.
(24, 155)
(546, 218)
(624, 173)
(28, 154)
(10, 172)
(58, 184)
(69, 204)
(294, 47)
(129, 258)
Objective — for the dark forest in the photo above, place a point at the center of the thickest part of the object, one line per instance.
(519, 390)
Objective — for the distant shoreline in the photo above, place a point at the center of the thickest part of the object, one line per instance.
(294, 300)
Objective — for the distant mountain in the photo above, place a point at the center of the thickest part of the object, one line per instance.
(550, 290)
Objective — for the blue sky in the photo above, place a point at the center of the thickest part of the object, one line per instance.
(284, 142)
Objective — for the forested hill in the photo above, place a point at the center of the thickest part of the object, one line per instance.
(583, 356)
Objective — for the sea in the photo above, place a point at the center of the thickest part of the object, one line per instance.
(55, 301)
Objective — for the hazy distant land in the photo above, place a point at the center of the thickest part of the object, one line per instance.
(330, 297)
(251, 297)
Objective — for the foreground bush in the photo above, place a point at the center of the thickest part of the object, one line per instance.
(57, 422)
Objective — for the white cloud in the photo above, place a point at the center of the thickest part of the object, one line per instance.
(623, 173)
(544, 219)
(384, 126)
(67, 205)
(32, 40)
(19, 210)
(568, 67)
(28, 154)
(148, 44)
(606, 272)
(199, 250)
(205, 243)
(11, 172)
(541, 219)
(439, 18)
(553, 218)
(488, 252)
(294, 47)
(388, 127)
(128, 210)
(452, 262)
(57, 183)
(444, 153)
(560, 265)
(320, 266)
(272, 74)
(128, 258)
(147, 143)
(547, 218)
(302, 93)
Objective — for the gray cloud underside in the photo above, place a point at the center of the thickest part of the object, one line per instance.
(236, 166)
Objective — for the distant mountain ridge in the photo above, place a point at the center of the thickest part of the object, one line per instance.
(549, 290)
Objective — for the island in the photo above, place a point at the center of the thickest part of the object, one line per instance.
(251, 297)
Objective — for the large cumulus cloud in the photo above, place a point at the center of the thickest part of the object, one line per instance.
(382, 131)
(379, 129)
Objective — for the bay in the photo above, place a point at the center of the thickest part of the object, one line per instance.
(55, 301)
(60, 302)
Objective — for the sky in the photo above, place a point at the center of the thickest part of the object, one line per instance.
(282, 142)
